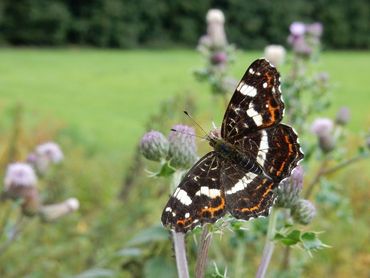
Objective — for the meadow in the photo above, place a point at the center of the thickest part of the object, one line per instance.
(96, 104)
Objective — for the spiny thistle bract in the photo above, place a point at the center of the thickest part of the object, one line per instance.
(303, 212)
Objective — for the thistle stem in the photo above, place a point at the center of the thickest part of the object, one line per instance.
(180, 254)
(269, 245)
(324, 171)
(205, 241)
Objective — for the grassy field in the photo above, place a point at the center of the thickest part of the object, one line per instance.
(106, 96)
(102, 99)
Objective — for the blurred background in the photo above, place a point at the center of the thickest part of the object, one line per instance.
(81, 82)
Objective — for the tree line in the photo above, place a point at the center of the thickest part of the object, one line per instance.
(170, 23)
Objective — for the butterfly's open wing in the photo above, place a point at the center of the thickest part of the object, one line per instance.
(256, 103)
(275, 149)
(198, 198)
(247, 194)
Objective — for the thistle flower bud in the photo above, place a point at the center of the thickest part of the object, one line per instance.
(182, 150)
(55, 211)
(322, 78)
(343, 116)
(368, 142)
(275, 54)
(322, 126)
(290, 188)
(154, 146)
(219, 58)
(303, 212)
(326, 143)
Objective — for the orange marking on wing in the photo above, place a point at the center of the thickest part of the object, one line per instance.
(260, 202)
(212, 210)
(184, 222)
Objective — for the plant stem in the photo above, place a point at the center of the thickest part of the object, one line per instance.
(16, 230)
(205, 241)
(180, 254)
(286, 259)
(239, 266)
(324, 171)
(269, 245)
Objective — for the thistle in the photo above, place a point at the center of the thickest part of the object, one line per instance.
(304, 212)
(290, 188)
(182, 147)
(154, 146)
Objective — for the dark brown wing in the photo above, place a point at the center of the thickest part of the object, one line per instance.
(256, 103)
(198, 198)
(247, 194)
(276, 150)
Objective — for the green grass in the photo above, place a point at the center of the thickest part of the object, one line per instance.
(107, 95)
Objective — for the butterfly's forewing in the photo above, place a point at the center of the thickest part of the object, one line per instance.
(198, 198)
(247, 194)
(256, 103)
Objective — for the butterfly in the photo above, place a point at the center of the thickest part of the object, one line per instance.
(252, 155)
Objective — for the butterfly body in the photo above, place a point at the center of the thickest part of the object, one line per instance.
(233, 155)
(252, 155)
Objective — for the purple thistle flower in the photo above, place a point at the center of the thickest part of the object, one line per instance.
(315, 29)
(51, 151)
(182, 150)
(297, 29)
(154, 146)
(322, 126)
(219, 58)
(44, 155)
(20, 183)
(290, 188)
(343, 116)
(19, 175)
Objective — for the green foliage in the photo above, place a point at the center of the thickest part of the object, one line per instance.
(125, 23)
(309, 241)
(39, 22)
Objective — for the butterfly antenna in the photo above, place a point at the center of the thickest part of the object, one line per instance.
(190, 134)
(195, 122)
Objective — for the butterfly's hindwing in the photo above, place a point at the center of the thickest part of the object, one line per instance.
(276, 150)
(247, 194)
(256, 103)
(281, 153)
(198, 198)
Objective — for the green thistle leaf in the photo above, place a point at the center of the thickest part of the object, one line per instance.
(166, 170)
